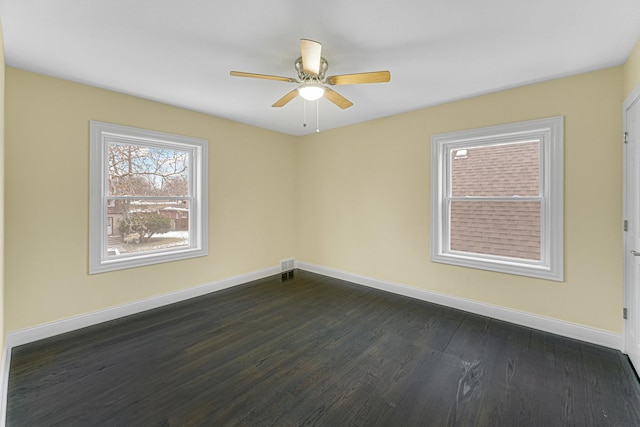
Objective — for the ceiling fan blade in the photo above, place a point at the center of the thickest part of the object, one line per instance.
(285, 99)
(262, 76)
(311, 54)
(337, 99)
(351, 79)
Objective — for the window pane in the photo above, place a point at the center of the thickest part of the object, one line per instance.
(146, 225)
(136, 170)
(505, 228)
(500, 170)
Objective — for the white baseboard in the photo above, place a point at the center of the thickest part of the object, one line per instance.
(547, 324)
(4, 383)
(46, 330)
(534, 321)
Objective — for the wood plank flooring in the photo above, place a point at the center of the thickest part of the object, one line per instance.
(317, 351)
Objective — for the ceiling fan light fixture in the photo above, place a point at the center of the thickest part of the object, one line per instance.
(311, 92)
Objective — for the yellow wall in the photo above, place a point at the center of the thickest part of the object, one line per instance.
(369, 212)
(360, 198)
(632, 70)
(251, 180)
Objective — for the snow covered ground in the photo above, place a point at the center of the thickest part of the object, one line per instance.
(176, 234)
(168, 240)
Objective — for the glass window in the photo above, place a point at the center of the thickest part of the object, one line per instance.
(148, 197)
(497, 198)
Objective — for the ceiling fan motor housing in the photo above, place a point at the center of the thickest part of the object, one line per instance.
(307, 77)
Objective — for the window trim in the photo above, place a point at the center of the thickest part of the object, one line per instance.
(550, 132)
(100, 135)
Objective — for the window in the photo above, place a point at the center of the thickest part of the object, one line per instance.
(148, 197)
(497, 198)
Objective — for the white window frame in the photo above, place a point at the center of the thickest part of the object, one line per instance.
(101, 134)
(550, 133)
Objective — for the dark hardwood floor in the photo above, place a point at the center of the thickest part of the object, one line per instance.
(317, 351)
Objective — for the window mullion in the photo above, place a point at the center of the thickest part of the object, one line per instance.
(495, 199)
(107, 197)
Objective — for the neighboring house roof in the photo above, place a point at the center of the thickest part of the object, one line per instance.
(506, 228)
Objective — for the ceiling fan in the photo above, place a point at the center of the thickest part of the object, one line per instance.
(312, 68)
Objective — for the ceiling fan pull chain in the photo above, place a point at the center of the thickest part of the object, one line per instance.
(304, 113)
(317, 115)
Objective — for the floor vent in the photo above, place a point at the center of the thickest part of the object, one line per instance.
(287, 265)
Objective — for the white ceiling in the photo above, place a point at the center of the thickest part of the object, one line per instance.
(180, 52)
